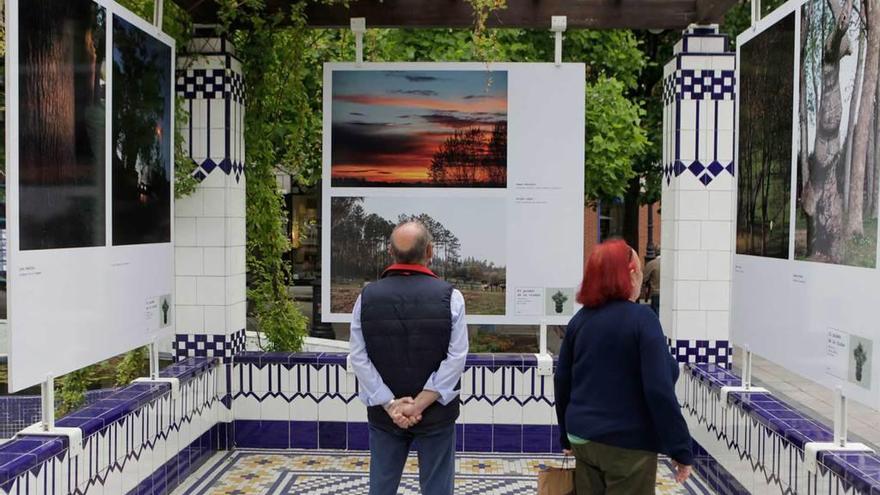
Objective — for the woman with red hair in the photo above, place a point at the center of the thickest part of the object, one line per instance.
(615, 396)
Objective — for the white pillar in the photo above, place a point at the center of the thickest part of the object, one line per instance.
(698, 190)
(210, 224)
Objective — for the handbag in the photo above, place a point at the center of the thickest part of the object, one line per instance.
(556, 480)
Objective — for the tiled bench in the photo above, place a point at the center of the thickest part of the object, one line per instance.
(852, 472)
(135, 438)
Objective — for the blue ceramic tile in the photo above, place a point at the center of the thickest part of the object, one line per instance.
(530, 361)
(331, 434)
(274, 435)
(274, 358)
(358, 436)
(536, 438)
(507, 360)
(89, 426)
(12, 465)
(479, 360)
(333, 358)
(459, 437)
(477, 438)
(507, 438)
(246, 433)
(304, 358)
(555, 445)
(304, 434)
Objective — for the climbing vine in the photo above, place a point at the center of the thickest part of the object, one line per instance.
(485, 41)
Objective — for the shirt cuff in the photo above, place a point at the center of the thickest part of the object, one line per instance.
(380, 397)
(446, 396)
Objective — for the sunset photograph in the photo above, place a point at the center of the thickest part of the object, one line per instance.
(419, 129)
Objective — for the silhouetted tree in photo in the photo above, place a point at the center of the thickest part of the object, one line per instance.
(472, 157)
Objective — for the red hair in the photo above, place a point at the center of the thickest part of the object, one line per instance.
(607, 276)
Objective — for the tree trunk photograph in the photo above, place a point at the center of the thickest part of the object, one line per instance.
(840, 57)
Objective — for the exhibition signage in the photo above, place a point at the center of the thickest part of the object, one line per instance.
(89, 148)
(490, 157)
(805, 279)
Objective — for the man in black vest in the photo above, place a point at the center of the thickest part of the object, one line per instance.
(409, 344)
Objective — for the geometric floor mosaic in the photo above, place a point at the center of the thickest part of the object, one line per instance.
(336, 472)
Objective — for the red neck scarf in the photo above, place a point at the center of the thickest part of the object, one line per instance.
(403, 269)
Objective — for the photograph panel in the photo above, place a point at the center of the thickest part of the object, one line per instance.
(469, 250)
(765, 134)
(142, 105)
(62, 122)
(838, 152)
(412, 128)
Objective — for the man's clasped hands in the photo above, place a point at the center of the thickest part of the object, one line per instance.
(405, 412)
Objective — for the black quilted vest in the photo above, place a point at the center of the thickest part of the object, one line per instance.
(407, 323)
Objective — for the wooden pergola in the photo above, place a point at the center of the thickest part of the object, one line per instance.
(595, 14)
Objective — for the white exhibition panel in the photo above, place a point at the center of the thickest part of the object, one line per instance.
(806, 316)
(543, 201)
(73, 307)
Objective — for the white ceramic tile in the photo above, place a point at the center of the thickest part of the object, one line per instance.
(716, 236)
(235, 232)
(275, 409)
(725, 62)
(187, 261)
(687, 296)
(688, 116)
(725, 115)
(189, 319)
(236, 316)
(545, 386)
(690, 265)
(189, 206)
(536, 413)
(214, 261)
(687, 235)
(236, 290)
(185, 290)
(246, 408)
(357, 412)
(199, 148)
(211, 232)
(215, 318)
(693, 205)
(215, 202)
(694, 44)
(214, 180)
(696, 62)
(199, 115)
(484, 381)
(467, 383)
(217, 144)
(236, 260)
(721, 205)
(185, 231)
(725, 146)
(304, 409)
(718, 325)
(687, 146)
(332, 410)
(476, 412)
(506, 412)
(218, 114)
(715, 296)
(718, 267)
(679, 47)
(690, 324)
(706, 151)
(211, 290)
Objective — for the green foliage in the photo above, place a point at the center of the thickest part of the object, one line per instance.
(614, 139)
(71, 391)
(280, 133)
(484, 342)
(133, 365)
(739, 17)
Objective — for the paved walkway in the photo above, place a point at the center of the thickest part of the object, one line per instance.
(316, 472)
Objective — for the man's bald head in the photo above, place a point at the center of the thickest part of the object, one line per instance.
(411, 243)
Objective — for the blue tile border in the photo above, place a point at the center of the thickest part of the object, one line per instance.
(170, 475)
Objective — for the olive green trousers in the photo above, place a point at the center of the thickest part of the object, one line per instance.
(606, 470)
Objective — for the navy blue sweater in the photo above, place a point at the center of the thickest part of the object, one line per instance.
(615, 382)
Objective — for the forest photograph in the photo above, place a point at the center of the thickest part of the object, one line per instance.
(62, 122)
(839, 133)
(765, 133)
(419, 128)
(469, 248)
(142, 136)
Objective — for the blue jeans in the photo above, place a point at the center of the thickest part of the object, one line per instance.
(389, 451)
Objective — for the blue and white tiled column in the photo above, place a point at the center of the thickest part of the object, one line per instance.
(210, 224)
(698, 190)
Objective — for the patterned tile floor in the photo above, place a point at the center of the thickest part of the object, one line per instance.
(317, 472)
